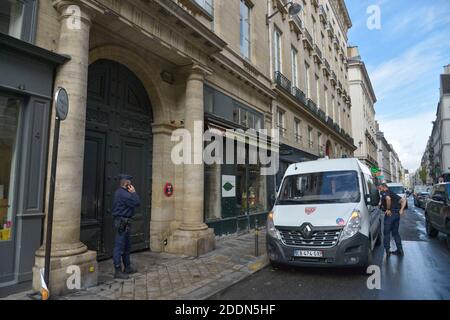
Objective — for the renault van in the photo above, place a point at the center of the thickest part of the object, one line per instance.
(326, 214)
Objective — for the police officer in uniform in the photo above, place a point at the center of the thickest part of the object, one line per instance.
(393, 206)
(126, 200)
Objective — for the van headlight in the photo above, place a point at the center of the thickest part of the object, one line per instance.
(353, 226)
(271, 230)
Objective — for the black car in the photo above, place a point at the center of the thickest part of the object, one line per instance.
(421, 198)
(437, 211)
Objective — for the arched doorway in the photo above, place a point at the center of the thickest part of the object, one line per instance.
(329, 149)
(118, 140)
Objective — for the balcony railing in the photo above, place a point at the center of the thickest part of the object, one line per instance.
(330, 29)
(307, 38)
(322, 114)
(282, 131)
(326, 67)
(298, 137)
(323, 14)
(336, 42)
(296, 24)
(330, 122)
(318, 53)
(312, 106)
(315, 3)
(282, 81)
(299, 95)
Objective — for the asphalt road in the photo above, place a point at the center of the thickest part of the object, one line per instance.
(423, 273)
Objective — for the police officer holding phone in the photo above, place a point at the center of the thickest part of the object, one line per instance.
(126, 200)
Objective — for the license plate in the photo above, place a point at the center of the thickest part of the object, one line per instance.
(308, 253)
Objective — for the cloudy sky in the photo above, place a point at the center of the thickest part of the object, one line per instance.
(404, 59)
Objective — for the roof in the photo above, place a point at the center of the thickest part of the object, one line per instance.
(327, 165)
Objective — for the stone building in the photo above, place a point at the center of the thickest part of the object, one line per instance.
(309, 69)
(363, 109)
(383, 156)
(136, 71)
(439, 148)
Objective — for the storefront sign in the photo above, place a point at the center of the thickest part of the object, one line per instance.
(228, 186)
(168, 189)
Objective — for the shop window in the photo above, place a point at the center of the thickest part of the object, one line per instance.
(18, 18)
(9, 122)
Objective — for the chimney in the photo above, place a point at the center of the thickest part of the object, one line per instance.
(447, 69)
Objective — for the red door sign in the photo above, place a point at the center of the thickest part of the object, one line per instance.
(168, 189)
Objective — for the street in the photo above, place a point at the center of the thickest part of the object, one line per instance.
(423, 273)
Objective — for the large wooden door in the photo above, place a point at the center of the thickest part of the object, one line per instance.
(118, 140)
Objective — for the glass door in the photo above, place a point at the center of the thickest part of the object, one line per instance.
(10, 108)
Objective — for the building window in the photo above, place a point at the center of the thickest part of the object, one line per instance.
(339, 114)
(18, 19)
(207, 5)
(310, 137)
(280, 122)
(277, 50)
(307, 85)
(327, 111)
(314, 29)
(333, 104)
(319, 142)
(297, 130)
(318, 90)
(9, 122)
(245, 28)
(294, 58)
(11, 18)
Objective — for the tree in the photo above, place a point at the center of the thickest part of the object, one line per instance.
(423, 175)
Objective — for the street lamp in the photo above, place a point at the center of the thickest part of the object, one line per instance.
(293, 10)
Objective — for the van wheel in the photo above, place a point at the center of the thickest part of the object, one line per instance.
(431, 231)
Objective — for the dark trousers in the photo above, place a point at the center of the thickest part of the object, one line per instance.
(391, 225)
(122, 245)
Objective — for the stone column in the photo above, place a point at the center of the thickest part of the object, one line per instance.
(67, 250)
(193, 236)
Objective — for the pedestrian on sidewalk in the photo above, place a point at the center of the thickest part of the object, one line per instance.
(126, 200)
(393, 206)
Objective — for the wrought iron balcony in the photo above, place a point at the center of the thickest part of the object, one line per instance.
(315, 3)
(307, 39)
(329, 121)
(299, 95)
(283, 82)
(296, 24)
(318, 54)
(312, 106)
(326, 67)
(330, 29)
(336, 42)
(322, 114)
(323, 15)
(281, 5)
(343, 131)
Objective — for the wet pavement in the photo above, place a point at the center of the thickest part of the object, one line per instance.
(423, 273)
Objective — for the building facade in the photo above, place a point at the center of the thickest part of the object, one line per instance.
(136, 72)
(439, 144)
(363, 110)
(383, 156)
(309, 71)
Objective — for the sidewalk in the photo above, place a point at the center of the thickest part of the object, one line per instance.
(165, 276)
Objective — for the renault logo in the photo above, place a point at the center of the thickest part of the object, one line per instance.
(306, 230)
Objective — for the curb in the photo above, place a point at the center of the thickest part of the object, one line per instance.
(247, 270)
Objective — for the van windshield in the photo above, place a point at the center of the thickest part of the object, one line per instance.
(320, 187)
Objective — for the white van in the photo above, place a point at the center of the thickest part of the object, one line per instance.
(326, 214)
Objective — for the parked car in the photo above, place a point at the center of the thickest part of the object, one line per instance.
(326, 214)
(399, 189)
(437, 210)
(419, 189)
(420, 200)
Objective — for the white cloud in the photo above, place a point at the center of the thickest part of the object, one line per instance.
(409, 137)
(410, 68)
